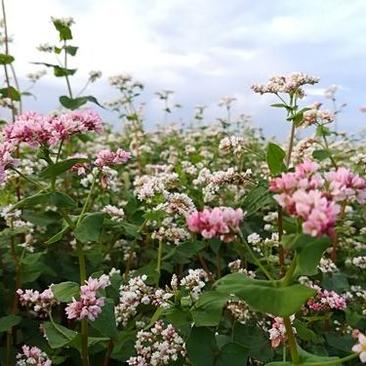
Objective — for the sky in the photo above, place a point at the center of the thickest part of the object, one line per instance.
(201, 49)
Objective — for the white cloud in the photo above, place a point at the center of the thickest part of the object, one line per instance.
(201, 48)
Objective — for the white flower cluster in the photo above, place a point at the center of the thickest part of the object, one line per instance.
(67, 22)
(135, 293)
(214, 181)
(359, 262)
(239, 311)
(117, 214)
(171, 232)
(232, 144)
(194, 282)
(159, 346)
(290, 84)
(147, 186)
(326, 265)
(315, 114)
(237, 266)
(35, 76)
(226, 101)
(177, 203)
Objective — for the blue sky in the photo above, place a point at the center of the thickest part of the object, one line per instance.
(203, 49)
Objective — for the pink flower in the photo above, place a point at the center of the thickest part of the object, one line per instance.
(220, 221)
(89, 306)
(277, 334)
(344, 184)
(318, 213)
(35, 129)
(302, 194)
(6, 160)
(31, 128)
(326, 300)
(32, 356)
(39, 302)
(107, 157)
(360, 347)
(88, 120)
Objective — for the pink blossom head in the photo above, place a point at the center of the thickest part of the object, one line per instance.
(87, 120)
(107, 157)
(222, 222)
(32, 356)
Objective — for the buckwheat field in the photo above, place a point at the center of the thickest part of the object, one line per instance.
(202, 245)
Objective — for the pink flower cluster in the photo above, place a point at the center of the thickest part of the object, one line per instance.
(89, 306)
(107, 157)
(6, 160)
(326, 300)
(32, 356)
(300, 194)
(345, 185)
(219, 221)
(315, 114)
(35, 129)
(39, 302)
(277, 333)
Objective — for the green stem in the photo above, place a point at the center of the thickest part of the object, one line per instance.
(59, 151)
(86, 204)
(334, 163)
(158, 263)
(291, 144)
(67, 76)
(291, 340)
(254, 257)
(334, 362)
(290, 272)
(27, 178)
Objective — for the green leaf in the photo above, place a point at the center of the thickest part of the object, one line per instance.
(6, 59)
(254, 339)
(256, 199)
(57, 335)
(202, 347)
(11, 93)
(61, 200)
(323, 131)
(303, 331)
(57, 199)
(280, 105)
(275, 157)
(58, 236)
(105, 323)
(309, 256)
(298, 118)
(321, 154)
(66, 291)
(90, 227)
(9, 321)
(232, 354)
(63, 30)
(75, 103)
(62, 71)
(71, 50)
(56, 169)
(285, 300)
(208, 309)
